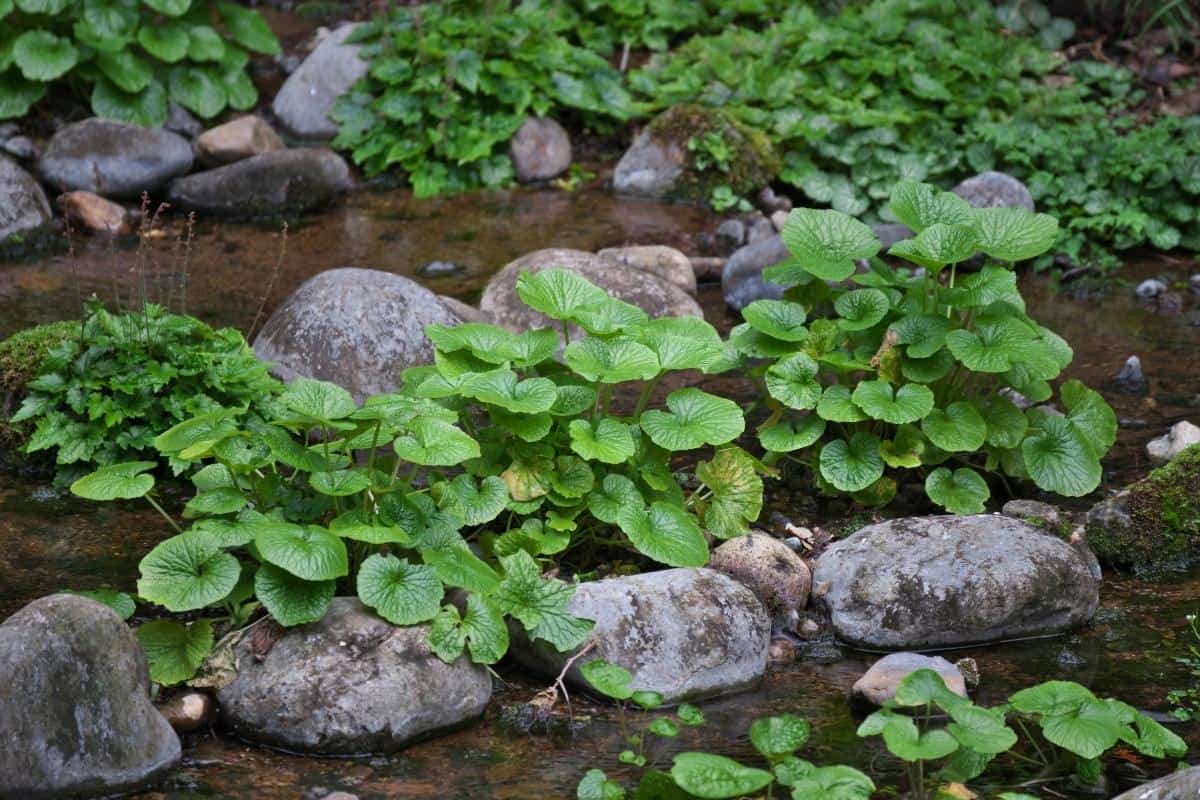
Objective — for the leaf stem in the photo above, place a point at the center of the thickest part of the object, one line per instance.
(165, 515)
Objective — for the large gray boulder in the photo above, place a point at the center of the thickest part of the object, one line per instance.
(359, 328)
(742, 281)
(307, 96)
(685, 633)
(921, 582)
(263, 185)
(23, 204)
(112, 158)
(351, 683)
(1181, 785)
(75, 713)
(654, 295)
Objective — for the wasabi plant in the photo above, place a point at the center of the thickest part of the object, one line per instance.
(872, 372)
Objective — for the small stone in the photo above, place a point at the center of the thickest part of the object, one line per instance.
(1183, 434)
(1131, 379)
(778, 577)
(660, 261)
(742, 281)
(781, 651)
(237, 139)
(540, 150)
(189, 711)
(795, 543)
(809, 628)
(995, 190)
(94, 213)
(1019, 400)
(732, 232)
(439, 269)
(181, 121)
(1194, 282)
(1150, 288)
(778, 220)
(969, 670)
(879, 683)
(772, 202)
(22, 147)
(1041, 514)
(760, 228)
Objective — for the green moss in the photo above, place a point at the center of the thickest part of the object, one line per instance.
(752, 164)
(21, 357)
(1163, 528)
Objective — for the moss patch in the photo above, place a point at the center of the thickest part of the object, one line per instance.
(752, 161)
(1163, 530)
(21, 358)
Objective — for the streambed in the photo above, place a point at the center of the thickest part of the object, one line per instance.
(48, 541)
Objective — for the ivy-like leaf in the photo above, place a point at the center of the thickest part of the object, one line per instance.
(435, 443)
(175, 650)
(712, 776)
(1060, 458)
(116, 482)
(307, 551)
(792, 380)
(606, 440)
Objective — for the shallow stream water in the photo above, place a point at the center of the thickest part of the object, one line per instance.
(48, 541)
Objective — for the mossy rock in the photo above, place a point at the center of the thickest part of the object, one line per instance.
(21, 358)
(660, 162)
(1153, 526)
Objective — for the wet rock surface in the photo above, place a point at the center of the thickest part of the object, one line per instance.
(919, 582)
(112, 158)
(303, 104)
(878, 684)
(685, 633)
(23, 204)
(237, 139)
(995, 190)
(742, 281)
(351, 683)
(75, 711)
(660, 261)
(657, 297)
(1181, 785)
(1183, 434)
(778, 577)
(273, 183)
(540, 150)
(359, 328)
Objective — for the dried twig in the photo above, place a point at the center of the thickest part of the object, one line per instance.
(546, 699)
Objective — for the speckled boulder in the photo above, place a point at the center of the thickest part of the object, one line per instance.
(778, 577)
(351, 683)
(359, 328)
(659, 260)
(685, 633)
(23, 204)
(113, 158)
(921, 582)
(75, 713)
(657, 297)
(878, 684)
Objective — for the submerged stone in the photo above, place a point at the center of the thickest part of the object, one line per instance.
(113, 158)
(351, 683)
(281, 181)
(75, 713)
(684, 633)
(923, 582)
(879, 683)
(1131, 379)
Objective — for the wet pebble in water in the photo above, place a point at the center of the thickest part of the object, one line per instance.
(440, 269)
(1150, 288)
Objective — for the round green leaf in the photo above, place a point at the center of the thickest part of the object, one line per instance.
(127, 72)
(957, 429)
(501, 387)
(854, 465)
(681, 342)
(666, 534)
(306, 551)
(792, 434)
(474, 504)
(959, 492)
(737, 492)
(612, 361)
(793, 381)
(836, 406)
(113, 20)
(905, 449)
(147, 108)
(339, 483)
(222, 500)
(696, 418)
(610, 680)
(826, 243)
(1088, 412)
(938, 245)
(197, 90)
(1088, 731)
(1014, 234)
(187, 572)
(779, 319)
(205, 44)
(861, 309)
(435, 443)
(607, 440)
(919, 206)
(922, 334)
(116, 482)
(1060, 459)
(42, 56)
(779, 736)
(595, 785)
(558, 293)
(716, 777)
(1006, 424)
(879, 400)
(615, 494)
(247, 27)
(291, 600)
(240, 90)
(402, 593)
(175, 650)
(993, 347)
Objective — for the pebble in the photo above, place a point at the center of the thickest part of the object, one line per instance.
(1183, 434)
(95, 213)
(1150, 288)
(22, 147)
(779, 219)
(1194, 282)
(774, 202)
(1131, 378)
(188, 712)
(439, 269)
(732, 232)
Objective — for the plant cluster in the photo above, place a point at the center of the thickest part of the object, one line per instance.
(131, 57)
(918, 368)
(1186, 702)
(101, 394)
(493, 460)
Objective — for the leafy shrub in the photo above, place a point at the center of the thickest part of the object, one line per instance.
(916, 368)
(102, 394)
(133, 56)
(310, 490)
(1185, 702)
(450, 83)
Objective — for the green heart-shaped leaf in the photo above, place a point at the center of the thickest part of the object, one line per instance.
(938, 246)
(615, 494)
(779, 319)
(696, 418)
(958, 428)
(790, 435)
(737, 492)
(680, 342)
(175, 650)
(116, 482)
(42, 56)
(558, 293)
(836, 405)
(959, 492)
(607, 440)
(319, 401)
(992, 347)
(666, 534)
(291, 600)
(923, 334)
(920, 206)
(879, 400)
(610, 680)
(854, 465)
(612, 361)
(187, 572)
(826, 243)
(1014, 234)
(483, 631)
(1060, 458)
(306, 551)
(779, 736)
(339, 483)
(793, 381)
(861, 309)
(247, 27)
(711, 776)
(435, 443)
(474, 505)
(503, 388)
(401, 593)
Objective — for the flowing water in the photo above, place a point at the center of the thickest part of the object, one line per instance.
(48, 541)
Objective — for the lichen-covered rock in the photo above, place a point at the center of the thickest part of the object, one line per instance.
(778, 577)
(265, 185)
(351, 683)
(920, 582)
(113, 159)
(684, 633)
(657, 297)
(75, 713)
(307, 96)
(1181, 785)
(359, 328)
(659, 260)
(995, 190)
(659, 163)
(1182, 435)
(1152, 526)
(237, 139)
(878, 684)
(23, 204)
(539, 150)
(742, 281)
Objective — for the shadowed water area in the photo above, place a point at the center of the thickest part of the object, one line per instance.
(48, 541)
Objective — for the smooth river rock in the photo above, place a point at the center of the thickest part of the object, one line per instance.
(540, 150)
(778, 577)
(23, 204)
(272, 183)
(925, 582)
(351, 683)
(742, 281)
(685, 633)
(879, 683)
(94, 213)
(657, 297)
(75, 713)
(237, 139)
(995, 190)
(113, 158)
(307, 96)
(1182, 435)
(659, 260)
(359, 328)
(1181, 785)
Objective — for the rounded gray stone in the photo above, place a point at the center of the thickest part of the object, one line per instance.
(650, 167)
(113, 159)
(304, 101)
(778, 577)
(75, 711)
(351, 683)
(293, 180)
(742, 281)
(359, 328)
(684, 633)
(23, 204)
(659, 260)
(878, 684)
(922, 582)
(540, 150)
(1181, 785)
(995, 190)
